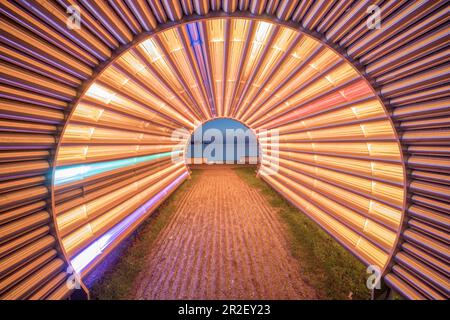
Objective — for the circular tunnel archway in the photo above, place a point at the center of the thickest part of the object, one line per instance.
(328, 144)
(222, 141)
(46, 67)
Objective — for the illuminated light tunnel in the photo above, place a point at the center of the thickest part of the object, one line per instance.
(88, 116)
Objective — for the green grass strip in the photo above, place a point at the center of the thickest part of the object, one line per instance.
(327, 266)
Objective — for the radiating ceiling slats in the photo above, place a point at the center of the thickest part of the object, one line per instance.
(173, 9)
(54, 16)
(349, 19)
(92, 24)
(299, 12)
(187, 6)
(395, 24)
(271, 6)
(126, 15)
(110, 20)
(34, 24)
(316, 13)
(230, 6)
(359, 32)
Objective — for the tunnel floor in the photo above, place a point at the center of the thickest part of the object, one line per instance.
(224, 241)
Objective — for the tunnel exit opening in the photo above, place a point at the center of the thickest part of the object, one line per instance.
(222, 141)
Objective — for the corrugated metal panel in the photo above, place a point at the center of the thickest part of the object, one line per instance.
(43, 66)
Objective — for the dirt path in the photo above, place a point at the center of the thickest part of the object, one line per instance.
(223, 242)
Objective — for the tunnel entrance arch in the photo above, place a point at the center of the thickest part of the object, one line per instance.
(47, 68)
(325, 109)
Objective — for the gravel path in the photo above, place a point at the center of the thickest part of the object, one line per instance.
(223, 242)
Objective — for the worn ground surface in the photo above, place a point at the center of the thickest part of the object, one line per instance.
(223, 242)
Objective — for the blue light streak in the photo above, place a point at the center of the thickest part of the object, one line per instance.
(198, 48)
(80, 261)
(73, 173)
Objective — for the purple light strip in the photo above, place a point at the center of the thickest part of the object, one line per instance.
(80, 261)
